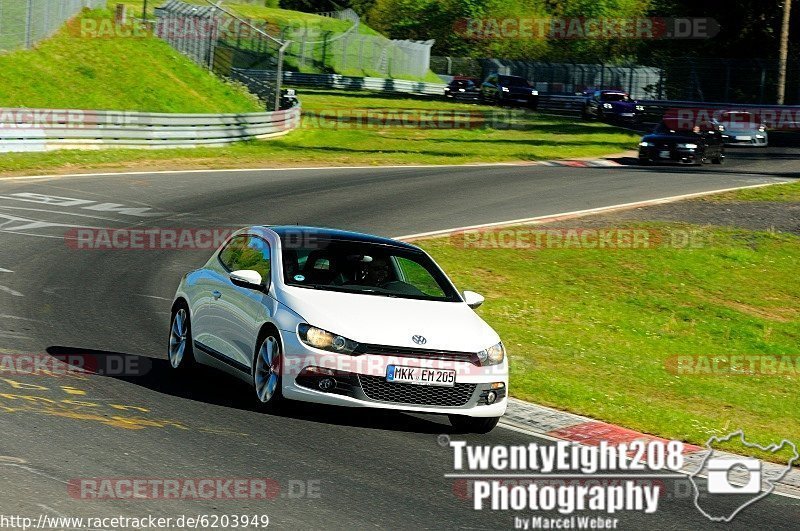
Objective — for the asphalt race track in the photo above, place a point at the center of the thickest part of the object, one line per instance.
(363, 469)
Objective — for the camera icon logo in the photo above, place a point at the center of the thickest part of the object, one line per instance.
(733, 482)
(721, 471)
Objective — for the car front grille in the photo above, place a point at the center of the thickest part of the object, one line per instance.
(377, 388)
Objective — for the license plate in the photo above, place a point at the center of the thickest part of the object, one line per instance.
(420, 376)
(627, 115)
(663, 154)
(744, 138)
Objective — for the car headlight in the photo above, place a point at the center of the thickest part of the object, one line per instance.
(493, 355)
(534, 93)
(762, 128)
(324, 340)
(640, 107)
(646, 144)
(687, 146)
(504, 89)
(607, 106)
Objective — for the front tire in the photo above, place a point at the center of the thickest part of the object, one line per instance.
(267, 369)
(180, 351)
(464, 424)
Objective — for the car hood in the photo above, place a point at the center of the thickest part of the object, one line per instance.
(392, 321)
(670, 138)
(741, 130)
(623, 106)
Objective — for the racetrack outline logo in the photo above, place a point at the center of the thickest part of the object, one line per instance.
(772, 448)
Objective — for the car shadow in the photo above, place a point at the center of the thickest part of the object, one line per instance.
(207, 385)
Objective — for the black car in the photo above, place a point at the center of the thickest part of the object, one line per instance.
(509, 90)
(683, 144)
(611, 105)
(462, 88)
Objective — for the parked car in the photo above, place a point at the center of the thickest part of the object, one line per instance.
(334, 317)
(463, 88)
(500, 89)
(611, 105)
(743, 129)
(672, 142)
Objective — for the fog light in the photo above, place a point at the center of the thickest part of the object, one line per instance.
(491, 397)
(326, 384)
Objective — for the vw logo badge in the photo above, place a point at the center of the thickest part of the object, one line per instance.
(419, 340)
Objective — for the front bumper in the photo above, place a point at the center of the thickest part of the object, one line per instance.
(669, 155)
(745, 139)
(360, 381)
(519, 99)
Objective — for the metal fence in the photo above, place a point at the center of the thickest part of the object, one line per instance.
(738, 81)
(559, 78)
(354, 52)
(340, 82)
(23, 23)
(219, 40)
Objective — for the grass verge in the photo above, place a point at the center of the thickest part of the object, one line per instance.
(598, 331)
(334, 132)
(97, 71)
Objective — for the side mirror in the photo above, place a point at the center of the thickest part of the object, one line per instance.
(473, 299)
(247, 279)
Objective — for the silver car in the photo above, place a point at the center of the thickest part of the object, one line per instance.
(743, 129)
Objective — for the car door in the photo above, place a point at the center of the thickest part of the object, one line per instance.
(240, 310)
(489, 88)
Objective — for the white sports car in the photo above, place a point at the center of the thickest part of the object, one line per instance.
(342, 318)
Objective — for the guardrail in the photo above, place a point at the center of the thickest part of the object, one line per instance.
(50, 129)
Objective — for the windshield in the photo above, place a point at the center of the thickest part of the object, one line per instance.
(615, 97)
(365, 268)
(462, 83)
(738, 119)
(513, 81)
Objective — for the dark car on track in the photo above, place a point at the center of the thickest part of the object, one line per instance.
(463, 88)
(501, 89)
(683, 144)
(611, 105)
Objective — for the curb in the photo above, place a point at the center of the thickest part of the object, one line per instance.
(561, 425)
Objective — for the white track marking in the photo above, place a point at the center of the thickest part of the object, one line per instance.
(27, 224)
(84, 204)
(4, 207)
(16, 318)
(5, 270)
(580, 213)
(10, 291)
(153, 297)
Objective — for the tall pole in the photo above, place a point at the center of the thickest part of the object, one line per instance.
(784, 51)
(144, 12)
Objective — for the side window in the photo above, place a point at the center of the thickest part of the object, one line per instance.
(230, 253)
(413, 273)
(247, 252)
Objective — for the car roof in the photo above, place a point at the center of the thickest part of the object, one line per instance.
(339, 235)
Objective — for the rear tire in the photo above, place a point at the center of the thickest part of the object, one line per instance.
(718, 159)
(180, 351)
(463, 424)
